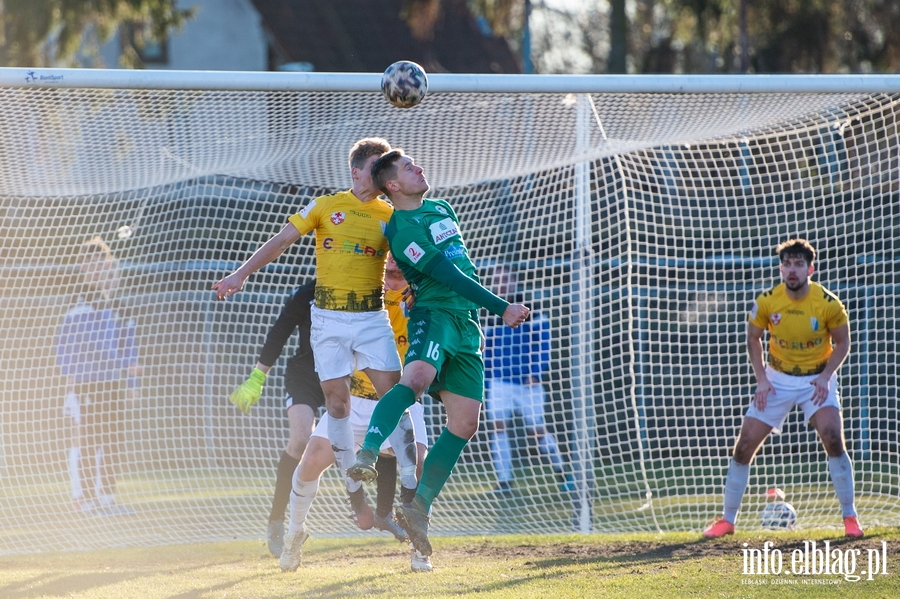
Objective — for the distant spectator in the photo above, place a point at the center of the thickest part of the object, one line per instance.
(96, 351)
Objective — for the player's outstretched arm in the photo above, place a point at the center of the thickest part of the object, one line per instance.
(444, 271)
(266, 253)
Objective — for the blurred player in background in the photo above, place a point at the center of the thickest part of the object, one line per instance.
(350, 328)
(515, 361)
(97, 353)
(809, 339)
(444, 339)
(320, 454)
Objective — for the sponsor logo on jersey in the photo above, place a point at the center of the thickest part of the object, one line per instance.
(348, 247)
(797, 345)
(360, 214)
(440, 209)
(414, 252)
(775, 318)
(443, 230)
(306, 209)
(814, 323)
(454, 251)
(754, 310)
(338, 217)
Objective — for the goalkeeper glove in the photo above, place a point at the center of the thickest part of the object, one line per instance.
(247, 395)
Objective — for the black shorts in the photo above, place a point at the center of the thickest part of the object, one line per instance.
(302, 384)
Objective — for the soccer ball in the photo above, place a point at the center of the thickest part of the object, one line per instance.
(779, 515)
(404, 84)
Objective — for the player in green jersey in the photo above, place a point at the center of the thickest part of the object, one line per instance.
(445, 339)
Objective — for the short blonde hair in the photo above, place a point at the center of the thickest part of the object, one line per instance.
(366, 147)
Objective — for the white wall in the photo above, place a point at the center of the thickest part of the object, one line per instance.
(224, 35)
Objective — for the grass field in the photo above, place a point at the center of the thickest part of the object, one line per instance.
(508, 567)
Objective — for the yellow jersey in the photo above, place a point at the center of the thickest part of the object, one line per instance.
(799, 331)
(360, 385)
(350, 250)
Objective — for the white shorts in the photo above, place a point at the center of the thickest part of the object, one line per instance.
(361, 413)
(505, 399)
(346, 341)
(792, 391)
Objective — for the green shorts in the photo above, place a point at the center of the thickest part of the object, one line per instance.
(451, 342)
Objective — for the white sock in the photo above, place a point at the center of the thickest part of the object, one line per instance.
(735, 485)
(340, 435)
(842, 476)
(75, 472)
(302, 495)
(403, 442)
(502, 454)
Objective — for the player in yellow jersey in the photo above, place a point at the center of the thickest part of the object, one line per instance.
(809, 339)
(349, 326)
(409, 436)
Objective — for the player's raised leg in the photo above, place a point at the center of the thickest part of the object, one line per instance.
(301, 419)
(316, 459)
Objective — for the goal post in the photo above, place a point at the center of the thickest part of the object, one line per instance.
(637, 215)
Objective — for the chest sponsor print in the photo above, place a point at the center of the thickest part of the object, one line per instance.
(443, 230)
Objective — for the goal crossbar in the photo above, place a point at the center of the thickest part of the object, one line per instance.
(446, 82)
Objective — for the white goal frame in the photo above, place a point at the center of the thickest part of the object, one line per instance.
(589, 139)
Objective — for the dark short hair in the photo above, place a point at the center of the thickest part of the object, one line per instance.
(366, 147)
(796, 247)
(385, 169)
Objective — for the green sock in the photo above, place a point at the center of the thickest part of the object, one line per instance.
(439, 463)
(386, 416)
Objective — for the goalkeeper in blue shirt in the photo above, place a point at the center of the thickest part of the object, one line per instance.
(445, 338)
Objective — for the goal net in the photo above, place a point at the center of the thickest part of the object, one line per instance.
(639, 225)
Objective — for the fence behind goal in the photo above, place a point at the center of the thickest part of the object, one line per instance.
(639, 222)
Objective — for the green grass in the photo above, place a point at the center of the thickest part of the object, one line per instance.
(508, 567)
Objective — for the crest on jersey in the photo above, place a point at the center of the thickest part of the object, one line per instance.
(775, 318)
(338, 217)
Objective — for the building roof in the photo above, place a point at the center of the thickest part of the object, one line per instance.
(348, 36)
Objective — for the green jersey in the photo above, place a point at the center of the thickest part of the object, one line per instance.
(422, 242)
